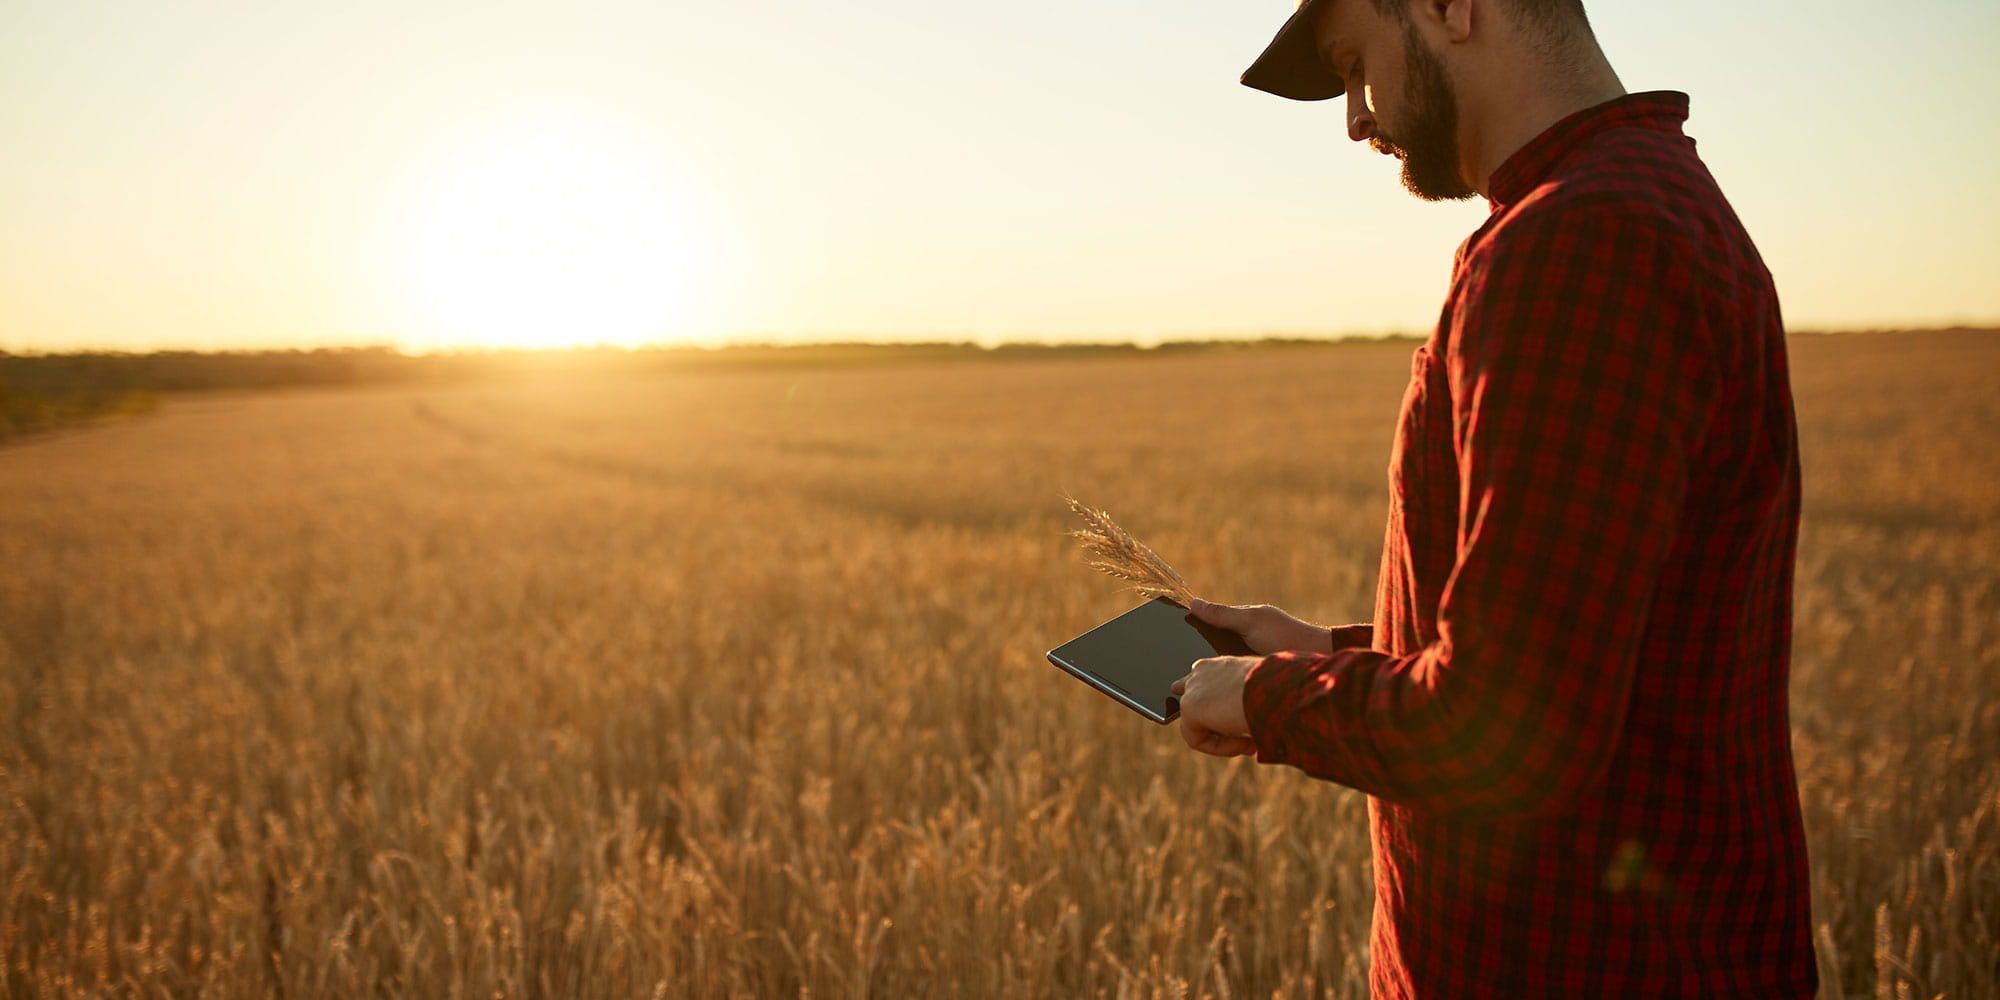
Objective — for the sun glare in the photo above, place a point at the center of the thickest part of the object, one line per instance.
(546, 234)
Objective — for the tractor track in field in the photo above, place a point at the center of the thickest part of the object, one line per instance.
(866, 499)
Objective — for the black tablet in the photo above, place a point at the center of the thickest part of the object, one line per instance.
(1137, 656)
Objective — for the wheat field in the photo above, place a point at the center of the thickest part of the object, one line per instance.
(730, 683)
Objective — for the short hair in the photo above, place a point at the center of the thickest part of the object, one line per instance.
(1555, 19)
(1554, 23)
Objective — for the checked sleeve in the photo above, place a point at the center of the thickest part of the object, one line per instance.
(1352, 636)
(1577, 390)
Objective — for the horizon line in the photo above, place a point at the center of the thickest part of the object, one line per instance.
(960, 342)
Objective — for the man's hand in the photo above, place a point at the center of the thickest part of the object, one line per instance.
(1212, 706)
(1265, 629)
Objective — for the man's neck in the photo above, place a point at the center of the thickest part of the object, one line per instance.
(1497, 120)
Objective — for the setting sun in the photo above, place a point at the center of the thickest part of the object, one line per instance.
(545, 234)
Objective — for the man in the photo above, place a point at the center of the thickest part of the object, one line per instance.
(1570, 711)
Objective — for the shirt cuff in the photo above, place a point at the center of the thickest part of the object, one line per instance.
(1360, 636)
(1269, 689)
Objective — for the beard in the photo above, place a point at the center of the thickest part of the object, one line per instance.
(1428, 145)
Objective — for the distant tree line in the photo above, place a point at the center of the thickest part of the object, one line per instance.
(27, 412)
(43, 391)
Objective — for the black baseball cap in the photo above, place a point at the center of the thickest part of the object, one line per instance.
(1291, 65)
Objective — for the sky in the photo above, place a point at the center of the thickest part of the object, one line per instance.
(234, 174)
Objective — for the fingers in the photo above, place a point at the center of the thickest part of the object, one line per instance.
(1215, 744)
(1194, 707)
(1180, 686)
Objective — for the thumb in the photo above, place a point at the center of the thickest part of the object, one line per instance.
(1216, 614)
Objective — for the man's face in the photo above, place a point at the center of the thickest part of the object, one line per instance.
(1399, 98)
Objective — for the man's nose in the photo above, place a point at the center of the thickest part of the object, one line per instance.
(1360, 120)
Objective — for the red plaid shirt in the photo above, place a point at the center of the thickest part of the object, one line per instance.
(1570, 713)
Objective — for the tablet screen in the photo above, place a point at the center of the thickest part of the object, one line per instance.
(1137, 656)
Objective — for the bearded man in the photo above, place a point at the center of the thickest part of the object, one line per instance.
(1570, 711)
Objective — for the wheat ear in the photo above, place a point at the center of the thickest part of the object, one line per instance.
(1115, 552)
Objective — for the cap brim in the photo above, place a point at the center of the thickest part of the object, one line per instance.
(1291, 65)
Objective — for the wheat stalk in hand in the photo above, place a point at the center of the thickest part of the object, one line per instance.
(1114, 552)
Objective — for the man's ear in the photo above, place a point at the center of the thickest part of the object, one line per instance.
(1450, 18)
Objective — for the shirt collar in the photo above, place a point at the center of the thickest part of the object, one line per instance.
(1662, 110)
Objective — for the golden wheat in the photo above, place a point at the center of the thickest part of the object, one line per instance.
(731, 685)
(1114, 552)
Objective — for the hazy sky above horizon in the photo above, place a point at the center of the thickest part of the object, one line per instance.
(223, 173)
